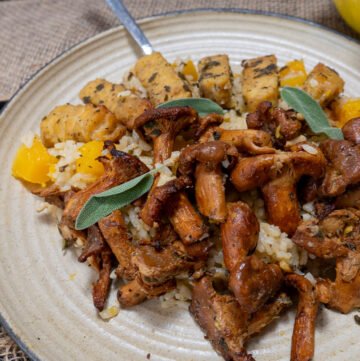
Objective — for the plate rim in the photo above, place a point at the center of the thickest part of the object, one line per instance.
(5, 323)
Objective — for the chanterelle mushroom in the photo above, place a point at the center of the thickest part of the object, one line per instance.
(351, 130)
(251, 280)
(343, 166)
(282, 124)
(337, 237)
(303, 339)
(206, 158)
(249, 141)
(226, 325)
(277, 175)
(169, 200)
(162, 125)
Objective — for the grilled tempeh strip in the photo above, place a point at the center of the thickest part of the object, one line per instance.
(215, 79)
(323, 84)
(260, 81)
(121, 102)
(160, 80)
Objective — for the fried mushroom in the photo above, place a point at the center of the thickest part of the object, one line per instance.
(239, 234)
(115, 233)
(303, 338)
(206, 158)
(343, 166)
(101, 287)
(251, 280)
(277, 176)
(161, 126)
(336, 237)
(186, 221)
(226, 325)
(136, 292)
(222, 320)
(156, 266)
(282, 124)
(351, 130)
(254, 282)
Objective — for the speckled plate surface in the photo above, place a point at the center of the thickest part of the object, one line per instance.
(45, 300)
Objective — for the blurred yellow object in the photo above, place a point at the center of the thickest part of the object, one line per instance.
(345, 110)
(293, 73)
(33, 164)
(189, 69)
(350, 11)
(87, 163)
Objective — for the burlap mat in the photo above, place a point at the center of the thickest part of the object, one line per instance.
(35, 31)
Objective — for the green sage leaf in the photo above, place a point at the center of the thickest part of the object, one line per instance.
(102, 204)
(202, 105)
(314, 115)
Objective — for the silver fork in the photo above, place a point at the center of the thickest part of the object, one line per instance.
(131, 26)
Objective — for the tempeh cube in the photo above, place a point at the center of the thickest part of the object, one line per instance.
(215, 79)
(260, 81)
(121, 102)
(81, 123)
(160, 79)
(323, 84)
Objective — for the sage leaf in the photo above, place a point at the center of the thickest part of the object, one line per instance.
(102, 204)
(314, 115)
(202, 105)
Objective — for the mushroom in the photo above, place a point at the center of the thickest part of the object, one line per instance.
(115, 233)
(222, 319)
(239, 234)
(226, 324)
(101, 287)
(169, 200)
(162, 125)
(303, 338)
(156, 266)
(350, 199)
(282, 124)
(186, 221)
(100, 256)
(251, 280)
(335, 237)
(277, 175)
(351, 130)
(247, 140)
(94, 244)
(206, 124)
(156, 269)
(343, 166)
(158, 197)
(207, 158)
(136, 292)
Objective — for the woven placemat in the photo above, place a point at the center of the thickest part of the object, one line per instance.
(33, 32)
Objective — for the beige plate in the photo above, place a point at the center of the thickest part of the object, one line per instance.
(45, 294)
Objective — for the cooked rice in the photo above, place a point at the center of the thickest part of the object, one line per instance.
(237, 98)
(276, 246)
(234, 121)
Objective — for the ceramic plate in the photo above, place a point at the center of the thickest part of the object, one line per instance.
(46, 299)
